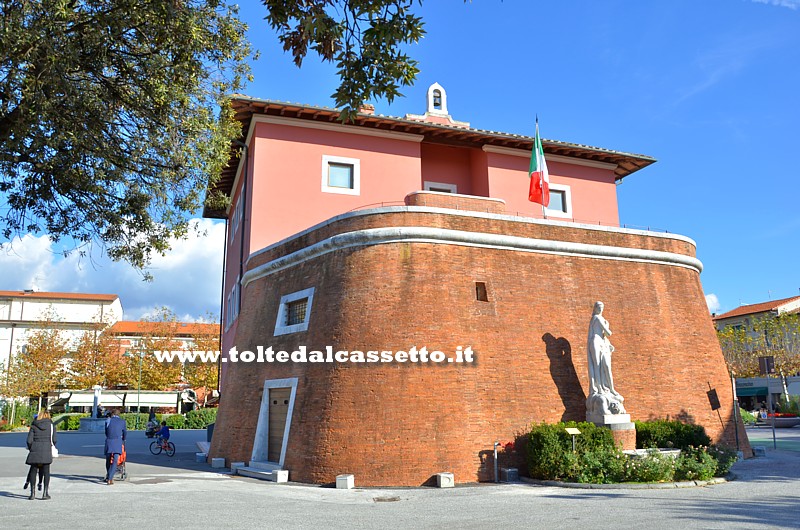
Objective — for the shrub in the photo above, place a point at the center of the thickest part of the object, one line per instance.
(130, 420)
(26, 412)
(669, 434)
(652, 467)
(200, 418)
(747, 417)
(71, 422)
(550, 454)
(725, 459)
(602, 465)
(695, 463)
(175, 421)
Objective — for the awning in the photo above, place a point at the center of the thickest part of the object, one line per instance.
(751, 391)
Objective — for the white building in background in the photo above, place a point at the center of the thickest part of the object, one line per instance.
(75, 314)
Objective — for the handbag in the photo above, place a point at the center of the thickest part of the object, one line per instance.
(53, 448)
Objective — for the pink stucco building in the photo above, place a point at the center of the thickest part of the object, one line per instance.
(389, 234)
(301, 167)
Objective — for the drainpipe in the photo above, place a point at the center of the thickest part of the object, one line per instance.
(222, 305)
(242, 224)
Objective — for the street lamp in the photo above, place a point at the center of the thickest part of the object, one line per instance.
(140, 354)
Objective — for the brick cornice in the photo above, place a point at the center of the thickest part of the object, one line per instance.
(420, 234)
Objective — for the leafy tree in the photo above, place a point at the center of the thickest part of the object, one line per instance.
(97, 361)
(363, 37)
(110, 129)
(737, 349)
(775, 336)
(110, 124)
(159, 333)
(204, 375)
(39, 368)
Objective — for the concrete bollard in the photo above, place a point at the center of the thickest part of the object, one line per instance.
(445, 480)
(345, 482)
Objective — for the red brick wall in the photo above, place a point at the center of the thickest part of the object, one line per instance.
(399, 424)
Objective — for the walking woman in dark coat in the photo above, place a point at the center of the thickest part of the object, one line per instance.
(41, 437)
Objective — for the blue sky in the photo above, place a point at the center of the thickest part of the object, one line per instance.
(707, 87)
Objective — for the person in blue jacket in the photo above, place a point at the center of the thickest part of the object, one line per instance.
(116, 432)
(163, 432)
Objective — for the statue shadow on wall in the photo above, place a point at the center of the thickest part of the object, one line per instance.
(562, 370)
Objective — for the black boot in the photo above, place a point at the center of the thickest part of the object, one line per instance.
(25, 486)
(32, 495)
(46, 496)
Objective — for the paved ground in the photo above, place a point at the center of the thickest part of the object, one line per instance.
(172, 492)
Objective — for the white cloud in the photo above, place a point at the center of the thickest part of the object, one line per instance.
(187, 280)
(791, 4)
(712, 302)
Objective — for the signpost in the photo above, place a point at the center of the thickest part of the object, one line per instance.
(766, 365)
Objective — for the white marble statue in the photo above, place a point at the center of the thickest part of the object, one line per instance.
(603, 398)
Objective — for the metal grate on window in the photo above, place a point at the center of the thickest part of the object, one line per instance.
(296, 311)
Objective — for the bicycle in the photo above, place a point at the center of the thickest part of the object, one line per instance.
(160, 445)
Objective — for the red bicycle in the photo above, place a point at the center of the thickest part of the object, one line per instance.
(160, 445)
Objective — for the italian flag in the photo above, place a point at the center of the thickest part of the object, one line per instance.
(540, 178)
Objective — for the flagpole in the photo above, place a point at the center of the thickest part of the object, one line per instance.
(544, 215)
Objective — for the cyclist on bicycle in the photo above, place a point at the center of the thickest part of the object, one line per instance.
(163, 432)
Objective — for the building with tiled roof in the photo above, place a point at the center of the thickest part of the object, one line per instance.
(745, 314)
(74, 313)
(394, 234)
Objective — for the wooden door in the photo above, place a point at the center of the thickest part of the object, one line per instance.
(278, 409)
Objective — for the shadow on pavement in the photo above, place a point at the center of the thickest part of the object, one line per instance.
(10, 495)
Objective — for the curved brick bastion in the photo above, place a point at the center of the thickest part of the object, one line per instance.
(518, 291)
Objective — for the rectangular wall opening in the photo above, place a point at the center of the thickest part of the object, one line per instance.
(480, 292)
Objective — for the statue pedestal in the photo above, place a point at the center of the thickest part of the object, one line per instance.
(607, 419)
(623, 430)
(93, 425)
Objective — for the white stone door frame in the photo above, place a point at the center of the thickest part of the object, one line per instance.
(261, 440)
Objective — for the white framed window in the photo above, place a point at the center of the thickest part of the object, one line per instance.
(236, 218)
(294, 312)
(560, 201)
(341, 175)
(440, 187)
(232, 304)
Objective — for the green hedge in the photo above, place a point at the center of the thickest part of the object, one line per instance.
(130, 419)
(174, 421)
(200, 418)
(747, 417)
(598, 460)
(670, 434)
(550, 454)
(71, 422)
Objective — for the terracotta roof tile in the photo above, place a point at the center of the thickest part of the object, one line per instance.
(136, 327)
(40, 295)
(756, 308)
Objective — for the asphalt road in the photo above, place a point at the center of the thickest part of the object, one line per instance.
(178, 492)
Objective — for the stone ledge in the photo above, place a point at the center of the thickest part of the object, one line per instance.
(629, 486)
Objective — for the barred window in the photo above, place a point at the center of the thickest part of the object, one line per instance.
(296, 312)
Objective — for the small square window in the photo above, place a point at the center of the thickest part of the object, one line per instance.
(560, 201)
(296, 311)
(557, 201)
(340, 175)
